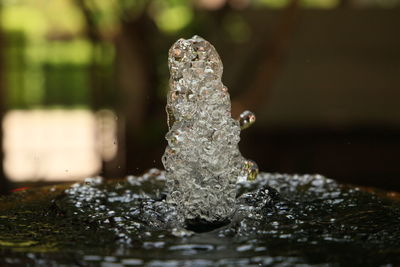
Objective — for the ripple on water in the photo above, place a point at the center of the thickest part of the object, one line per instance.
(280, 219)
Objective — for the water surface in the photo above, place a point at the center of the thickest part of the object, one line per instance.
(280, 220)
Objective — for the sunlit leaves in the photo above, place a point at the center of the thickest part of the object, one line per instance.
(171, 16)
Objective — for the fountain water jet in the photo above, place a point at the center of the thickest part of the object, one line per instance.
(202, 160)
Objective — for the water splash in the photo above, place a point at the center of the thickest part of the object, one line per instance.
(280, 220)
(202, 160)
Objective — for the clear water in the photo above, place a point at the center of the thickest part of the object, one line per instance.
(280, 220)
(202, 159)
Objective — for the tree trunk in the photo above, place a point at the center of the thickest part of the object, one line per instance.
(136, 77)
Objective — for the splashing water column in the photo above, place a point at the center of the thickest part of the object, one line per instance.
(202, 160)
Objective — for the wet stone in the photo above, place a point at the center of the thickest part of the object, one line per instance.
(278, 219)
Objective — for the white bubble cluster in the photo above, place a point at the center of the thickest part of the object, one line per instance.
(202, 159)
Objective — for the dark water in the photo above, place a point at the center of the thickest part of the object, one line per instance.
(282, 220)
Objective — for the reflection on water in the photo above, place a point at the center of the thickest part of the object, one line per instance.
(281, 220)
(57, 144)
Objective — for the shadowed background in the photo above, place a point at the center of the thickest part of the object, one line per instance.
(83, 85)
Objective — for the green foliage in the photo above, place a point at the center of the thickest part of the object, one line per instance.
(48, 39)
(47, 58)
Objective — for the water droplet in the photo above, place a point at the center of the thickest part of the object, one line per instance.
(251, 169)
(246, 119)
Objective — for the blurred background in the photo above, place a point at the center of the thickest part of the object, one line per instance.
(83, 85)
